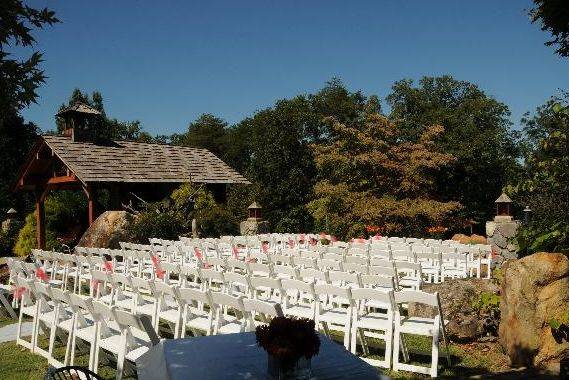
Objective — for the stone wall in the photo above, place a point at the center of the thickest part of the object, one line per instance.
(499, 233)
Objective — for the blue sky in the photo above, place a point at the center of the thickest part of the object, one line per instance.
(166, 62)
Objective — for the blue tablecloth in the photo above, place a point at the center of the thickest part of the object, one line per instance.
(237, 356)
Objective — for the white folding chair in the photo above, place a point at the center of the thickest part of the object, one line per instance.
(260, 312)
(434, 327)
(334, 315)
(198, 311)
(299, 299)
(373, 317)
(230, 316)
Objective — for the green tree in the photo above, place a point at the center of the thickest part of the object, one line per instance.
(477, 133)
(544, 185)
(207, 132)
(371, 176)
(19, 80)
(553, 15)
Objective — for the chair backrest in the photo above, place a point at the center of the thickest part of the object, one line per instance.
(383, 271)
(265, 282)
(285, 271)
(417, 296)
(265, 308)
(304, 262)
(191, 295)
(128, 321)
(377, 281)
(279, 259)
(309, 274)
(356, 268)
(384, 298)
(222, 299)
(331, 290)
(259, 269)
(341, 278)
(299, 285)
(380, 262)
(324, 264)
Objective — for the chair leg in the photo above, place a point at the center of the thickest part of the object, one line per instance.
(388, 347)
(435, 353)
(354, 341)
(396, 342)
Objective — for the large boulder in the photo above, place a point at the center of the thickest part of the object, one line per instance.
(472, 239)
(467, 305)
(535, 290)
(107, 230)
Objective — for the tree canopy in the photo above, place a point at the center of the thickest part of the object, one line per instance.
(477, 133)
(553, 15)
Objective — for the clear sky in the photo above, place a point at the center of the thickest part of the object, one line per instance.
(166, 62)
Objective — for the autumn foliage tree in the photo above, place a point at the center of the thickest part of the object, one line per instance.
(370, 176)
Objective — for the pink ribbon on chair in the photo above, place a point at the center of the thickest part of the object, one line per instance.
(313, 242)
(377, 237)
(40, 274)
(333, 239)
(95, 285)
(157, 269)
(18, 292)
(301, 238)
(198, 254)
(108, 266)
(265, 247)
(235, 252)
(291, 243)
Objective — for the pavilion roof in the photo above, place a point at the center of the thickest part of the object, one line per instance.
(136, 162)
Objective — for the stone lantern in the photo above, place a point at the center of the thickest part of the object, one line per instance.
(255, 211)
(254, 224)
(501, 231)
(503, 207)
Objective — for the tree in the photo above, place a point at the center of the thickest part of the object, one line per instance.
(477, 133)
(20, 79)
(553, 15)
(281, 164)
(544, 185)
(370, 176)
(207, 132)
(16, 140)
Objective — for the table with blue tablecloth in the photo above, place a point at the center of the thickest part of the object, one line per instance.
(237, 356)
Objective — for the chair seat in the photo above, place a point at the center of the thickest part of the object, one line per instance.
(86, 333)
(134, 354)
(300, 311)
(199, 323)
(417, 325)
(146, 308)
(337, 316)
(375, 321)
(171, 315)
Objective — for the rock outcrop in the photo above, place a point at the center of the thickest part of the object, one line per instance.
(462, 302)
(472, 239)
(107, 230)
(535, 291)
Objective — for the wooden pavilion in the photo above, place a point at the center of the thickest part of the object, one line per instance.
(75, 160)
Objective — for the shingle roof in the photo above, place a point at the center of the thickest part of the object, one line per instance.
(503, 199)
(78, 107)
(127, 161)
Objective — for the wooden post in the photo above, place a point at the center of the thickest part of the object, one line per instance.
(40, 220)
(90, 192)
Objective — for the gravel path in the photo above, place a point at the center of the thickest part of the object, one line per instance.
(8, 333)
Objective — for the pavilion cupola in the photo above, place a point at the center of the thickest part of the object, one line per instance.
(81, 122)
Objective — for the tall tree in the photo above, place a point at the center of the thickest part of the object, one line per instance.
(371, 176)
(477, 133)
(208, 132)
(553, 15)
(19, 80)
(544, 184)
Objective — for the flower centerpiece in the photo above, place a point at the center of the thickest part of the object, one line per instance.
(290, 344)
